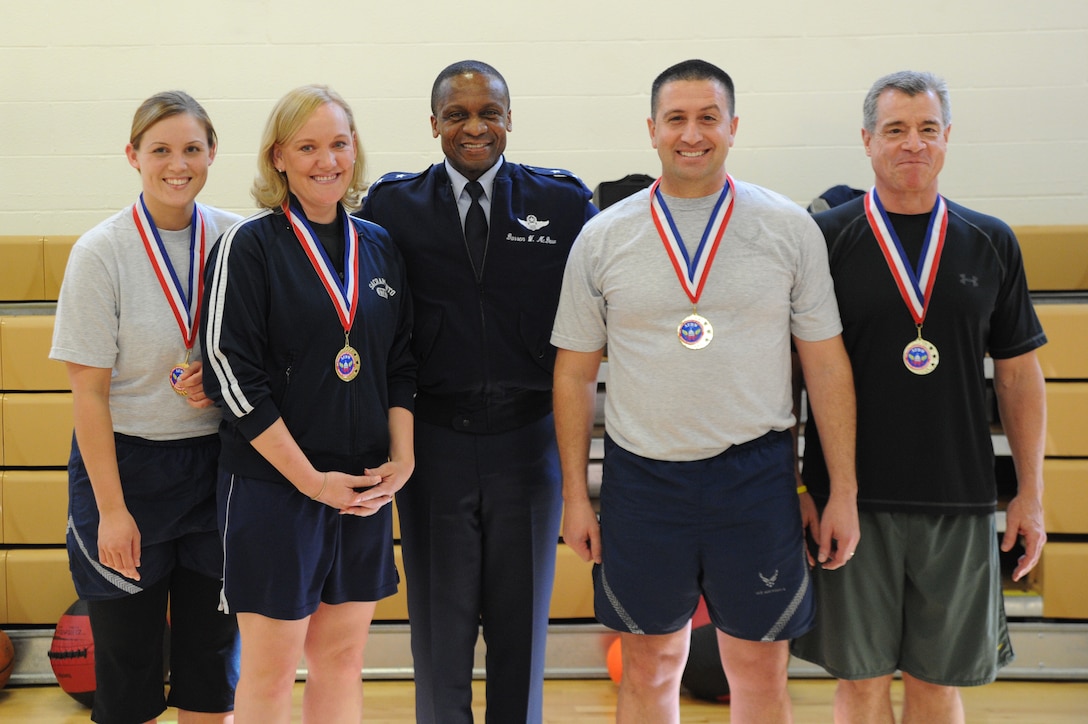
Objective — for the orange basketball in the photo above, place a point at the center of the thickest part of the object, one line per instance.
(614, 661)
(7, 658)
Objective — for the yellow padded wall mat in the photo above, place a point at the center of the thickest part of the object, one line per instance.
(22, 274)
(24, 355)
(1055, 257)
(39, 585)
(34, 506)
(37, 429)
(1065, 496)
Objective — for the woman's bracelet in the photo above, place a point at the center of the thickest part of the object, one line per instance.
(324, 481)
(801, 489)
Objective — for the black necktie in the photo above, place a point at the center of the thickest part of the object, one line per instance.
(476, 227)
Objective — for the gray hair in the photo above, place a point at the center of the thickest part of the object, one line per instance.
(912, 83)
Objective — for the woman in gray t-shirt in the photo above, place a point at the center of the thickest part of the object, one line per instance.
(142, 530)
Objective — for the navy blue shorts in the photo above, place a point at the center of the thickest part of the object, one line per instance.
(284, 553)
(169, 489)
(727, 528)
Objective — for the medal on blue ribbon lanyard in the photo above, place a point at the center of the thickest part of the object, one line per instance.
(184, 303)
(694, 330)
(920, 356)
(344, 295)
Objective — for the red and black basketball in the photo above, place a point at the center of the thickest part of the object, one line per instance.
(72, 654)
(7, 658)
(703, 676)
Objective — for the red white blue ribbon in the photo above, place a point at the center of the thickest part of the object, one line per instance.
(183, 302)
(915, 285)
(344, 295)
(692, 270)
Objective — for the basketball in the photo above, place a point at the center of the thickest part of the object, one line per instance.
(614, 661)
(701, 617)
(703, 676)
(7, 658)
(72, 654)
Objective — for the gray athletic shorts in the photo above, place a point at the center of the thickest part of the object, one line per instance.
(922, 595)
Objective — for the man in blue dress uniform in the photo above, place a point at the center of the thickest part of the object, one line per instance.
(485, 242)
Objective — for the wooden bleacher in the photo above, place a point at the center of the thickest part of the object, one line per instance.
(36, 424)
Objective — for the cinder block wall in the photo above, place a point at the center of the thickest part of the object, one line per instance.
(73, 72)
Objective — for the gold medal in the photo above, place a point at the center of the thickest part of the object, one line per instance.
(915, 284)
(347, 362)
(177, 372)
(695, 331)
(342, 290)
(920, 356)
(175, 375)
(183, 301)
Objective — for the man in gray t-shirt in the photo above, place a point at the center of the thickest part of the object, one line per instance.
(698, 287)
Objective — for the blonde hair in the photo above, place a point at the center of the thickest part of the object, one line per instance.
(288, 117)
(164, 105)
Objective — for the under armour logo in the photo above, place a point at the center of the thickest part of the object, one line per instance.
(965, 280)
(769, 582)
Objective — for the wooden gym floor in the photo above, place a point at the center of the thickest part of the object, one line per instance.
(593, 701)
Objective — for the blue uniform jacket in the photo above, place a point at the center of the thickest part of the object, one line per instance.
(478, 344)
(271, 337)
